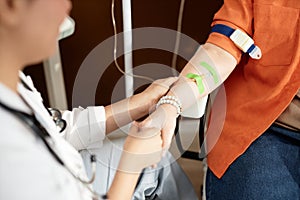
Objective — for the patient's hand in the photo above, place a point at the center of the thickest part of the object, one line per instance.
(163, 118)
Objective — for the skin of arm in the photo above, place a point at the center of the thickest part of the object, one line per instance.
(141, 149)
(123, 186)
(127, 110)
(213, 64)
(137, 106)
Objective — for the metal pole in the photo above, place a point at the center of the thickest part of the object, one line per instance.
(127, 29)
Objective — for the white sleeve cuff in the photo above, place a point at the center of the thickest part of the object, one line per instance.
(85, 127)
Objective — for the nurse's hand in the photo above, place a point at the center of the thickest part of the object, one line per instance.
(142, 148)
(156, 90)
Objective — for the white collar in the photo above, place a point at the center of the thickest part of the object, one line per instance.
(12, 99)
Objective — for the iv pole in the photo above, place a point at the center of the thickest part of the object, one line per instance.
(127, 29)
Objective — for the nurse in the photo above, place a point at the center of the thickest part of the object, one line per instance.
(36, 162)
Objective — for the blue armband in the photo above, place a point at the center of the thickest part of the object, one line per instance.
(243, 41)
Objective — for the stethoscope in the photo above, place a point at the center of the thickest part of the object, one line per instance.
(42, 133)
(56, 115)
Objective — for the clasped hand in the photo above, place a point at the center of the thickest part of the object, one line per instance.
(144, 144)
(163, 118)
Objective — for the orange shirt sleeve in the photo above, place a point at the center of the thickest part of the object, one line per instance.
(238, 14)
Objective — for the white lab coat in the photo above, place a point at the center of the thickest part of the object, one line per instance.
(28, 171)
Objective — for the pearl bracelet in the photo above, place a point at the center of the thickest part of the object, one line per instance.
(172, 100)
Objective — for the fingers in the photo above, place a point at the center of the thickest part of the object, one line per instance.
(167, 136)
(149, 132)
(152, 121)
(146, 123)
(163, 122)
(167, 82)
(156, 119)
(134, 127)
(145, 132)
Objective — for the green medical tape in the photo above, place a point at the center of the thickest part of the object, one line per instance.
(211, 71)
(199, 81)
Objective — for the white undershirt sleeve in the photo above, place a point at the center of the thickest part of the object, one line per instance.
(85, 127)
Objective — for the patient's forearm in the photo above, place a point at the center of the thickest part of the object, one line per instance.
(212, 64)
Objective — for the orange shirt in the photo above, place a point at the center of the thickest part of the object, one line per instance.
(257, 91)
